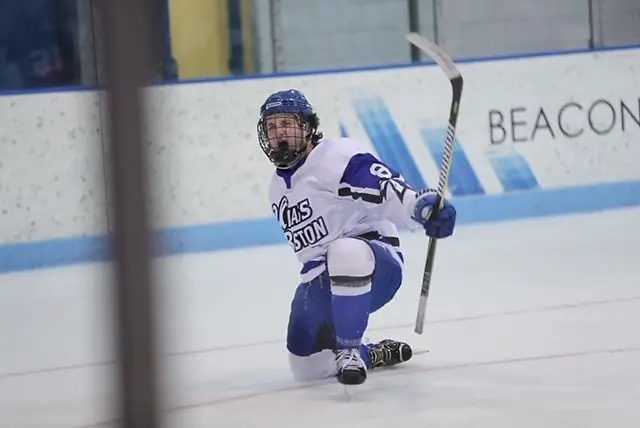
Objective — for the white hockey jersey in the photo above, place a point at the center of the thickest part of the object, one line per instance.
(341, 190)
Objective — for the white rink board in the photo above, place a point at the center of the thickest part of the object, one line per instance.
(208, 167)
(220, 171)
(51, 173)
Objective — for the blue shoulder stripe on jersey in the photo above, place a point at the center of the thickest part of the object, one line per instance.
(364, 170)
(361, 178)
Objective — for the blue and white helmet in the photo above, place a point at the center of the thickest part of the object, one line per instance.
(288, 102)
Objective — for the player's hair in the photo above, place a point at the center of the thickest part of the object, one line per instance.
(314, 135)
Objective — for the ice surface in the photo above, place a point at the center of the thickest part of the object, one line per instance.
(532, 323)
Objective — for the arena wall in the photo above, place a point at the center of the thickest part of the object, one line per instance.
(542, 135)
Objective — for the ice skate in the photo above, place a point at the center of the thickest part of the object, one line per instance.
(388, 353)
(351, 368)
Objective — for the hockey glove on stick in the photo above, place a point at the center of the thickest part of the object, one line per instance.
(437, 224)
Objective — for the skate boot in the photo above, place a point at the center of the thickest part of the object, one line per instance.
(351, 368)
(388, 353)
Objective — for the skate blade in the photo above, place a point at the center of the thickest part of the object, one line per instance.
(347, 393)
(347, 389)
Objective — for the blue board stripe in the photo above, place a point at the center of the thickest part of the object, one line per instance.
(462, 178)
(266, 231)
(513, 171)
(387, 139)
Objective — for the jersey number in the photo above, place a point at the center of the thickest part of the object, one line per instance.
(380, 170)
(397, 184)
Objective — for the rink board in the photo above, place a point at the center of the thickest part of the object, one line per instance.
(537, 136)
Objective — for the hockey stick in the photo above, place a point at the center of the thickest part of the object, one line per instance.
(446, 64)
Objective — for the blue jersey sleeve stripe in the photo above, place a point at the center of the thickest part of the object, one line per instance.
(362, 178)
(358, 173)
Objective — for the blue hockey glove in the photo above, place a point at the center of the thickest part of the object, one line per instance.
(437, 226)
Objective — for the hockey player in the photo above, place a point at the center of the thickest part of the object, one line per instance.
(339, 207)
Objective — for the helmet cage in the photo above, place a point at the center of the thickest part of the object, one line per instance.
(304, 129)
(284, 154)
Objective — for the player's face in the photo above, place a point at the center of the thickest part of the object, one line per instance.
(286, 128)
